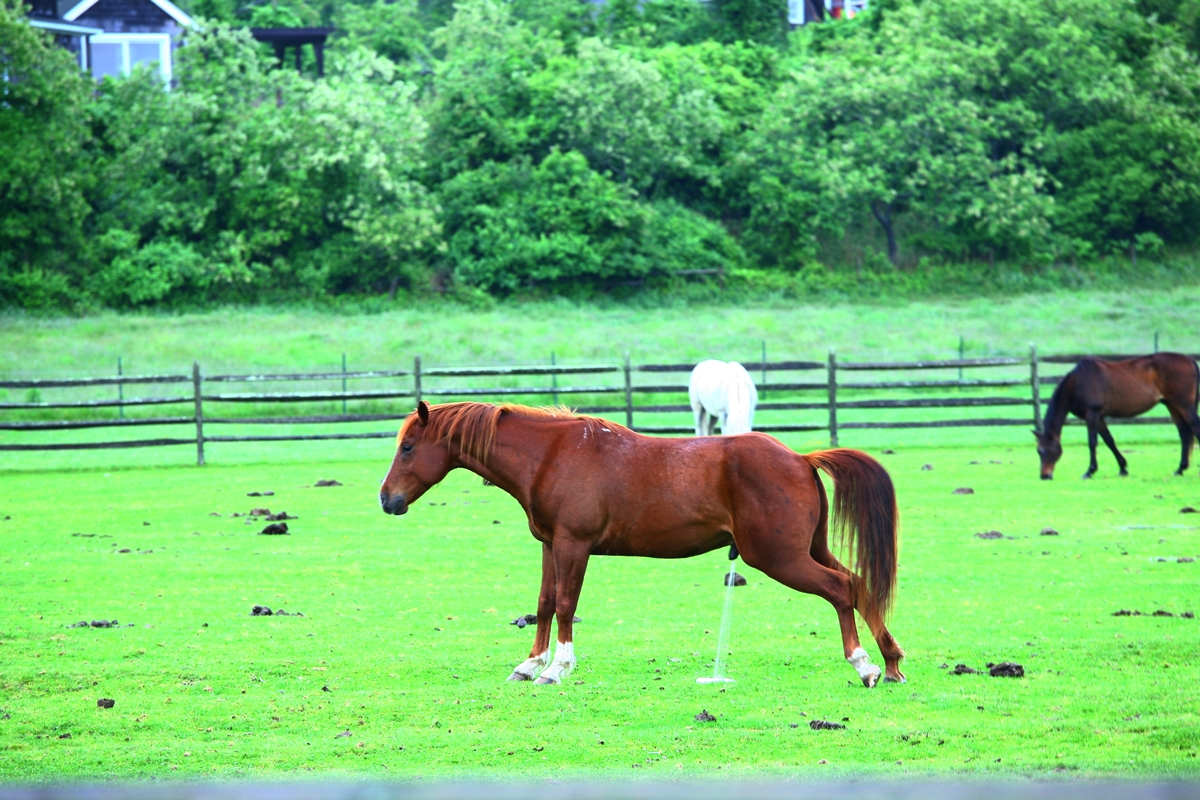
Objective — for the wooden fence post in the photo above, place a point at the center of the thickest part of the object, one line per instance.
(121, 385)
(764, 369)
(1035, 385)
(833, 430)
(196, 383)
(628, 394)
(417, 379)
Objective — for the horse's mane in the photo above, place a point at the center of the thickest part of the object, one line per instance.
(1056, 409)
(473, 425)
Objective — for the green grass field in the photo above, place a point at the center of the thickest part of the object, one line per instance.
(406, 620)
(405, 641)
(524, 333)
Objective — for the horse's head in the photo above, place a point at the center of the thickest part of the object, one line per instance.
(1050, 450)
(419, 464)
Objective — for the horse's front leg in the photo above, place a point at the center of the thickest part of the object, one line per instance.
(1093, 425)
(528, 669)
(570, 563)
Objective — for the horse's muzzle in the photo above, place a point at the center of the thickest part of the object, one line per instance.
(393, 504)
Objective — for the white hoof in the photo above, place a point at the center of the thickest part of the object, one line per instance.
(528, 669)
(560, 668)
(868, 673)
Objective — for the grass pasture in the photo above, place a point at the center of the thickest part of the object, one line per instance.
(406, 624)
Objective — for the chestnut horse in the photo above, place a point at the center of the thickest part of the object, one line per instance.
(1096, 389)
(589, 486)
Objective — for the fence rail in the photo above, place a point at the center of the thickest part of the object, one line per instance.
(814, 405)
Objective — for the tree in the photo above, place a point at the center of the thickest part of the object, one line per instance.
(250, 179)
(619, 112)
(43, 175)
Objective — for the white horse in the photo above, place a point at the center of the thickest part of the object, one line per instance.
(723, 393)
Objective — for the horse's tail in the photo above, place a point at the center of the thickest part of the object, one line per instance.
(739, 407)
(864, 510)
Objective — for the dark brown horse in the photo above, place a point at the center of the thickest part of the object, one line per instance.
(1096, 389)
(589, 486)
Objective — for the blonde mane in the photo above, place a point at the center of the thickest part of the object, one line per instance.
(473, 425)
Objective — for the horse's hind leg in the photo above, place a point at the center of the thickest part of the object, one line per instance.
(1102, 427)
(528, 669)
(888, 646)
(1187, 427)
(804, 574)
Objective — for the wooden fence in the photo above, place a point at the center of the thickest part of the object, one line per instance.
(814, 395)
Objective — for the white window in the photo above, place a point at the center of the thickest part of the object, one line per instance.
(118, 53)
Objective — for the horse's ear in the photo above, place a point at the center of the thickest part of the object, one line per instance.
(423, 412)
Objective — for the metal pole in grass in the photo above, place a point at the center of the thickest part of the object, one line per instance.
(764, 369)
(628, 394)
(554, 379)
(417, 379)
(199, 414)
(726, 623)
(833, 430)
(1035, 384)
(343, 382)
(121, 387)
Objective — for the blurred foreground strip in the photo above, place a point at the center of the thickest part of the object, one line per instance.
(640, 790)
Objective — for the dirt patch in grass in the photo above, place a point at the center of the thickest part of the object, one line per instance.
(826, 725)
(1006, 669)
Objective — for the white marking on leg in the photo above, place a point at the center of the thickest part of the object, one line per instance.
(867, 672)
(528, 669)
(560, 668)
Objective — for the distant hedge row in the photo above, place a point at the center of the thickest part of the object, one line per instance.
(575, 147)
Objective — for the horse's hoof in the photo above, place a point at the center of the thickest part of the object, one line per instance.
(895, 679)
(1124, 473)
(1088, 475)
(519, 676)
(544, 681)
(869, 681)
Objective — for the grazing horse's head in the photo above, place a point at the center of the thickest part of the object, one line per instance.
(1050, 450)
(420, 462)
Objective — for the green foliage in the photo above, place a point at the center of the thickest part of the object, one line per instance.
(265, 191)
(391, 29)
(482, 102)
(43, 130)
(938, 135)
(561, 223)
(619, 112)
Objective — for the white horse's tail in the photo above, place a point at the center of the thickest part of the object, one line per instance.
(742, 398)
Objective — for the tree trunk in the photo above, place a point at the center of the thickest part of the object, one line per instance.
(883, 213)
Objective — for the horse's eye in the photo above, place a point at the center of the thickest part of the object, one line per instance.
(405, 448)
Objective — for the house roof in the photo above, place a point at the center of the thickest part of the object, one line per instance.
(60, 27)
(170, 9)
